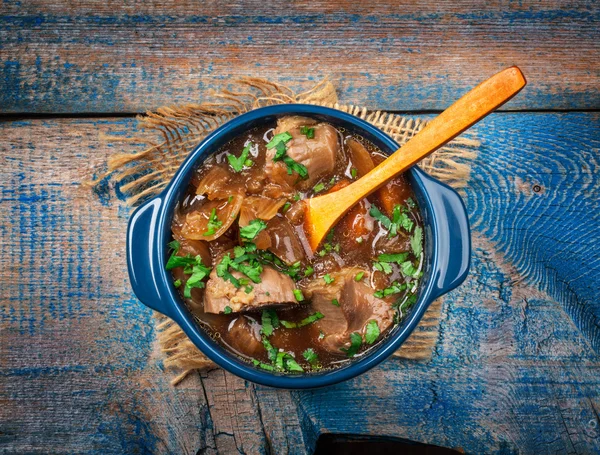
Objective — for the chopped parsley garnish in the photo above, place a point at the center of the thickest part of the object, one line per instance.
(284, 138)
(398, 258)
(294, 166)
(322, 253)
(269, 321)
(306, 321)
(309, 271)
(291, 364)
(213, 223)
(297, 197)
(319, 187)
(278, 143)
(359, 276)
(285, 207)
(321, 335)
(298, 294)
(408, 269)
(310, 356)
(249, 233)
(238, 163)
(355, 344)
(400, 219)
(271, 351)
(328, 279)
(244, 262)
(335, 302)
(416, 242)
(353, 172)
(191, 266)
(227, 310)
(372, 332)
(285, 361)
(248, 289)
(383, 267)
(395, 288)
(264, 366)
(308, 132)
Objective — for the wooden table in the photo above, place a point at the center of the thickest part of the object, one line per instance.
(516, 368)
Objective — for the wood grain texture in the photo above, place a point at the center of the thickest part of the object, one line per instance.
(106, 56)
(516, 367)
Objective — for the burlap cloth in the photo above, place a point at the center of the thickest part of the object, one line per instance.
(172, 132)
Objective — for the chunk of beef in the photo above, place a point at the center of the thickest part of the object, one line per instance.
(243, 335)
(357, 306)
(317, 154)
(275, 288)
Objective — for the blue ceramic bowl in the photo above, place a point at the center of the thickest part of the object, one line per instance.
(447, 248)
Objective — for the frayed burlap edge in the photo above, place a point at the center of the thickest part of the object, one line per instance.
(179, 129)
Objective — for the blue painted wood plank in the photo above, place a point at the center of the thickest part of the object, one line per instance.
(93, 57)
(516, 368)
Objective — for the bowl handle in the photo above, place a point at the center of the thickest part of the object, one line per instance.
(451, 228)
(143, 260)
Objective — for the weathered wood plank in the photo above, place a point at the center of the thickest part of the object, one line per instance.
(93, 56)
(514, 370)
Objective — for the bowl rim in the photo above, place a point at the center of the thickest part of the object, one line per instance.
(220, 355)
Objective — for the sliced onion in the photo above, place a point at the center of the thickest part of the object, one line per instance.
(196, 222)
(259, 207)
(284, 243)
(216, 184)
(361, 159)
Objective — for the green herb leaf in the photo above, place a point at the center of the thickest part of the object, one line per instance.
(416, 242)
(284, 138)
(285, 207)
(384, 220)
(383, 267)
(335, 302)
(250, 232)
(298, 294)
(395, 288)
(294, 166)
(271, 351)
(408, 269)
(319, 187)
(353, 172)
(179, 261)
(310, 356)
(262, 365)
(227, 310)
(309, 271)
(308, 132)
(355, 344)
(174, 245)
(359, 276)
(306, 321)
(177, 283)
(328, 279)
(291, 364)
(269, 321)
(238, 163)
(371, 332)
(398, 258)
(213, 223)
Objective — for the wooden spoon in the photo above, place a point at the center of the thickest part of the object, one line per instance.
(322, 212)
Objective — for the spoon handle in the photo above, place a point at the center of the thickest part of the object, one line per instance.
(469, 109)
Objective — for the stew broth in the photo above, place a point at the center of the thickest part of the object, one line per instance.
(240, 245)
